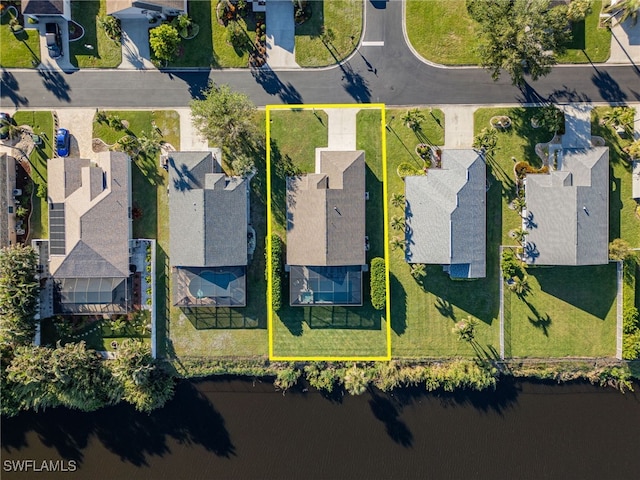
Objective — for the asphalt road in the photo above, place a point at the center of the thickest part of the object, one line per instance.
(390, 74)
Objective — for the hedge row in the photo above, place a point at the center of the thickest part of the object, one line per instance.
(378, 283)
(276, 272)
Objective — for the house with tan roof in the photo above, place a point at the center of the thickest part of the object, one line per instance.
(445, 215)
(90, 230)
(211, 239)
(326, 230)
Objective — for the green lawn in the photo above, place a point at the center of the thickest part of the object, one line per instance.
(443, 32)
(40, 121)
(326, 331)
(422, 315)
(106, 53)
(198, 51)
(343, 17)
(226, 55)
(571, 311)
(19, 50)
(623, 220)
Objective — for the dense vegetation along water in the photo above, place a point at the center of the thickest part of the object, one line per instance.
(227, 428)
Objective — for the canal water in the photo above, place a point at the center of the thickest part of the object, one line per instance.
(229, 428)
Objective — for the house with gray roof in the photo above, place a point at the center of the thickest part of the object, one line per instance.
(209, 231)
(326, 230)
(152, 9)
(445, 215)
(46, 8)
(567, 210)
(89, 234)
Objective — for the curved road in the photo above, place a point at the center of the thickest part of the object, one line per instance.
(390, 74)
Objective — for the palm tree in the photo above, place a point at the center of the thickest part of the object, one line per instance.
(634, 150)
(397, 200)
(397, 243)
(619, 117)
(8, 125)
(486, 140)
(413, 118)
(519, 203)
(356, 381)
(418, 270)
(627, 10)
(519, 234)
(397, 223)
(466, 329)
(520, 286)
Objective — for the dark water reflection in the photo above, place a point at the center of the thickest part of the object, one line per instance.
(227, 428)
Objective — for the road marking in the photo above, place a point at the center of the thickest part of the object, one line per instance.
(373, 44)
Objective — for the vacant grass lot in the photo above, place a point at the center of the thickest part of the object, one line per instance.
(422, 315)
(106, 53)
(343, 17)
(18, 50)
(443, 32)
(326, 331)
(570, 310)
(41, 122)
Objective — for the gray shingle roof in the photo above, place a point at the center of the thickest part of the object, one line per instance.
(326, 212)
(568, 210)
(114, 6)
(97, 222)
(446, 214)
(42, 7)
(208, 213)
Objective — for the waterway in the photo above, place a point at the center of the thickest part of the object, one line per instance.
(229, 428)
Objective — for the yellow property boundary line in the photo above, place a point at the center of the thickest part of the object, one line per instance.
(383, 131)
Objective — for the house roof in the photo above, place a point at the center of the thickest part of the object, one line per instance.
(326, 212)
(208, 212)
(114, 6)
(42, 7)
(567, 214)
(94, 226)
(446, 214)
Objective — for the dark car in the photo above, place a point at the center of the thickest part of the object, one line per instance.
(62, 142)
(5, 121)
(54, 40)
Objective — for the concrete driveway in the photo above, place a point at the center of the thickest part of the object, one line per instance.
(46, 62)
(280, 34)
(136, 54)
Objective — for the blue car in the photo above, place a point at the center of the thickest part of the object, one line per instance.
(62, 142)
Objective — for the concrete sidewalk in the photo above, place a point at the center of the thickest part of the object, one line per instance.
(280, 34)
(136, 53)
(342, 128)
(625, 43)
(458, 131)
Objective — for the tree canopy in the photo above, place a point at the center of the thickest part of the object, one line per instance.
(224, 116)
(164, 41)
(18, 294)
(520, 36)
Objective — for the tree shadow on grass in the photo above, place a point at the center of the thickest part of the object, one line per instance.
(398, 305)
(542, 322)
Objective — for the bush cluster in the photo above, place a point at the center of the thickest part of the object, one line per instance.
(378, 283)
(276, 272)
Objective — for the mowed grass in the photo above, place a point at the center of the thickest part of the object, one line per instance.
(343, 17)
(570, 312)
(326, 331)
(41, 122)
(442, 31)
(198, 51)
(106, 53)
(18, 50)
(423, 315)
(225, 55)
(228, 332)
(624, 219)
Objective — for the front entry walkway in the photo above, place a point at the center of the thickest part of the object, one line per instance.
(136, 54)
(280, 34)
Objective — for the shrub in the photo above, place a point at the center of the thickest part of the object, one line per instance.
(42, 190)
(405, 169)
(276, 272)
(287, 378)
(378, 283)
(578, 10)
(321, 376)
(509, 264)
